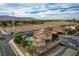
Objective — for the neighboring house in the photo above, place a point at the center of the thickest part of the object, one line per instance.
(21, 24)
(70, 27)
(58, 30)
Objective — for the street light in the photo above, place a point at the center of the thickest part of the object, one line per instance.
(13, 24)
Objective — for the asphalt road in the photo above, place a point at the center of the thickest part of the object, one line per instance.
(70, 42)
(58, 51)
(4, 45)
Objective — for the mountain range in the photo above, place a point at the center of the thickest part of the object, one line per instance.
(5, 17)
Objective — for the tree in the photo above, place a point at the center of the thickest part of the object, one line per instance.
(32, 50)
(74, 20)
(3, 23)
(18, 39)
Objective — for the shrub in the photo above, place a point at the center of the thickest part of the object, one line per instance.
(32, 50)
(54, 37)
(18, 39)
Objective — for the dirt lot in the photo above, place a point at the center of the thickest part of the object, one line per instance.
(33, 26)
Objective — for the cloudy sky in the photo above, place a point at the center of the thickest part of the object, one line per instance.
(41, 10)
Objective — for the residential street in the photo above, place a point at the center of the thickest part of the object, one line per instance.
(5, 49)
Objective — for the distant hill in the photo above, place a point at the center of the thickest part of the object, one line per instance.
(5, 17)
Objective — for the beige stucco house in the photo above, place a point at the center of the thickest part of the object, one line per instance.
(40, 37)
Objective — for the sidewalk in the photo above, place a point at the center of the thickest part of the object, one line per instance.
(70, 52)
(56, 51)
(15, 48)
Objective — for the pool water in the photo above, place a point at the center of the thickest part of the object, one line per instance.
(28, 38)
(29, 41)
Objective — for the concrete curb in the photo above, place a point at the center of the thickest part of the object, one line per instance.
(15, 48)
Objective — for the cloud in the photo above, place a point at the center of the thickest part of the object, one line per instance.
(42, 10)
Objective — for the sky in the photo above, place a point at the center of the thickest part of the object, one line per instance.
(41, 10)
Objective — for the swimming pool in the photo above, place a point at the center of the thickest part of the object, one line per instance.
(29, 38)
(29, 41)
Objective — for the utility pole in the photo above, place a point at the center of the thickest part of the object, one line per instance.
(13, 24)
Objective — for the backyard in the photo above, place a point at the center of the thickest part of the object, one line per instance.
(39, 50)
